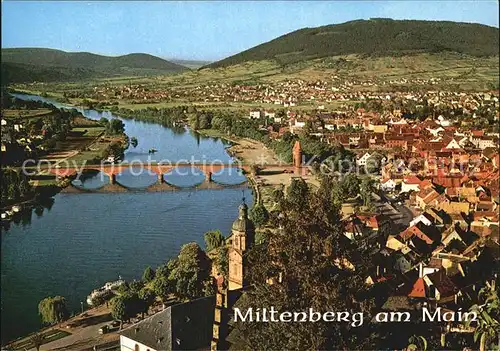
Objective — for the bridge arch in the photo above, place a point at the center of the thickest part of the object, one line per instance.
(185, 176)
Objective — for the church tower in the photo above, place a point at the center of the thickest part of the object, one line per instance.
(242, 238)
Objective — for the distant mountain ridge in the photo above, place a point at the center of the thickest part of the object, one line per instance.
(192, 64)
(40, 64)
(374, 37)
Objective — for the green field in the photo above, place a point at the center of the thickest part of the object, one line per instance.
(26, 114)
(90, 131)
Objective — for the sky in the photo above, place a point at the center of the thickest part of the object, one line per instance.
(203, 30)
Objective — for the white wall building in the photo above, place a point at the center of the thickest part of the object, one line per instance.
(362, 160)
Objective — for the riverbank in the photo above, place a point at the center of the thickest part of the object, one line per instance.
(246, 150)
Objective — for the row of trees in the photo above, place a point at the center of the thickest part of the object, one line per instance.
(114, 126)
(166, 116)
(185, 277)
(15, 186)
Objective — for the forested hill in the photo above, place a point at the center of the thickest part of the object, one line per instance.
(37, 64)
(374, 37)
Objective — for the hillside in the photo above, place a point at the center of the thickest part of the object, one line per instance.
(36, 64)
(374, 37)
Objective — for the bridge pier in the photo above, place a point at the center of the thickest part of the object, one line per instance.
(161, 180)
(112, 178)
(208, 177)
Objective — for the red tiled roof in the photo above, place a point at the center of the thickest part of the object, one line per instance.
(418, 289)
(411, 180)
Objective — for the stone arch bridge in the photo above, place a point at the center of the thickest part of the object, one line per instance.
(112, 170)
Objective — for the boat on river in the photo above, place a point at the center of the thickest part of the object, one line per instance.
(152, 150)
(105, 291)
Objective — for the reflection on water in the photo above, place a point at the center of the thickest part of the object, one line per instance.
(136, 178)
(185, 177)
(229, 176)
(91, 179)
(24, 217)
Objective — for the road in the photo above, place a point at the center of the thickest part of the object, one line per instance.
(84, 333)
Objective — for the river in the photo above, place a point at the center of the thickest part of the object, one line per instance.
(83, 240)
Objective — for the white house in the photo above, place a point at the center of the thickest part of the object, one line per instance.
(420, 218)
(362, 160)
(388, 185)
(435, 131)
(453, 144)
(255, 114)
(296, 123)
(443, 121)
(410, 183)
(269, 114)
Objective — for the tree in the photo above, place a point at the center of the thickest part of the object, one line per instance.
(147, 297)
(222, 261)
(374, 163)
(114, 149)
(115, 126)
(277, 196)
(205, 120)
(136, 286)
(104, 122)
(350, 185)
(98, 300)
(366, 189)
(37, 340)
(15, 185)
(162, 285)
(119, 309)
(134, 142)
(53, 309)
(259, 215)
(194, 121)
(213, 239)
(307, 261)
(190, 270)
(488, 324)
(308, 128)
(148, 275)
(297, 192)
